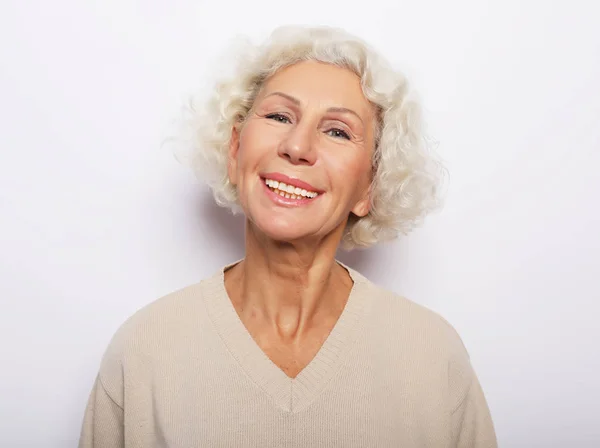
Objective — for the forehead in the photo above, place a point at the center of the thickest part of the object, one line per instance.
(314, 82)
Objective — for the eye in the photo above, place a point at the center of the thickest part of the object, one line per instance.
(338, 133)
(279, 117)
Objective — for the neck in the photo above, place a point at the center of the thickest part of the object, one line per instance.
(288, 286)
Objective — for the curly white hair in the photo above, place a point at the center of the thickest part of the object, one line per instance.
(407, 176)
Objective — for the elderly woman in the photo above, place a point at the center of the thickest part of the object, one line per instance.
(317, 141)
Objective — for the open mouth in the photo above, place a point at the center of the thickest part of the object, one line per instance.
(289, 191)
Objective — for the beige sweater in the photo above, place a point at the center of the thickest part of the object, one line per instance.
(184, 372)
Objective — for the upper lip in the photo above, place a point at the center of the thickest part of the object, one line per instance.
(279, 177)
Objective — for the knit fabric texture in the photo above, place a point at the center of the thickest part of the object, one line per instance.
(184, 372)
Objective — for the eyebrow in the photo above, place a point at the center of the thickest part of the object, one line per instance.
(296, 101)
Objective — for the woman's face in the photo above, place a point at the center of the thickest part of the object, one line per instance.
(302, 160)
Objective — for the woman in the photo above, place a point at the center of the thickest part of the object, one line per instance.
(318, 142)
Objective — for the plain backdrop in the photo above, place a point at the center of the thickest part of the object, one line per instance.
(97, 219)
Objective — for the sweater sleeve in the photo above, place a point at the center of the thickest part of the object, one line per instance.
(471, 421)
(103, 421)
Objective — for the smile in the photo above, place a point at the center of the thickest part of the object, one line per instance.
(289, 191)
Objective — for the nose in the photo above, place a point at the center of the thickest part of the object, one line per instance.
(298, 146)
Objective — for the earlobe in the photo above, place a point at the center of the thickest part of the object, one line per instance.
(362, 207)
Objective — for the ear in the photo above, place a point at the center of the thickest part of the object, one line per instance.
(234, 146)
(363, 206)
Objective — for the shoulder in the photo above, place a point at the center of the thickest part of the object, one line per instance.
(421, 336)
(407, 317)
(154, 332)
(399, 316)
(166, 313)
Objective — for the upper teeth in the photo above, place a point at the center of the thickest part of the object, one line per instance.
(290, 189)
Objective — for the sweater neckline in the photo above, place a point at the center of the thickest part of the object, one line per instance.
(289, 394)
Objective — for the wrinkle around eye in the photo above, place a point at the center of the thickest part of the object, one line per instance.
(278, 117)
(343, 134)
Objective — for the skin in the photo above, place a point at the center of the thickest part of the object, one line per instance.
(310, 121)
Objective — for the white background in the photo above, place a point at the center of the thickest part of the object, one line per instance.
(97, 219)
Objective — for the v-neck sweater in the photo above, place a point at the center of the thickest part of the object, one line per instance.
(184, 372)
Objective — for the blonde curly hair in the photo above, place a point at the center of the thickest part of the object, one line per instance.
(407, 176)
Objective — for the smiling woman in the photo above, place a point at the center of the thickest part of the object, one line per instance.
(405, 176)
(317, 141)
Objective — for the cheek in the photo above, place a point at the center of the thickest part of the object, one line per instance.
(256, 144)
(257, 147)
(247, 158)
(351, 173)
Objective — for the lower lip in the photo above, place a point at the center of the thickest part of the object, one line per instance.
(281, 200)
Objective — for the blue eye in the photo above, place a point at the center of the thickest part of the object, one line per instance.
(338, 133)
(278, 117)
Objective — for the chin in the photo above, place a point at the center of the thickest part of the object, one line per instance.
(282, 229)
